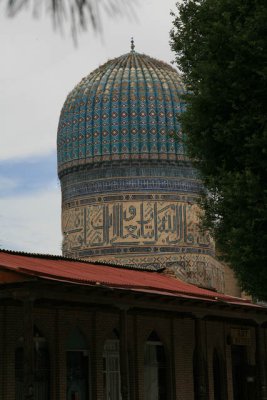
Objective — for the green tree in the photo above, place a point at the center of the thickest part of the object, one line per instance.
(221, 50)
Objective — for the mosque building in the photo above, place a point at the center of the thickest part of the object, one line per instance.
(138, 307)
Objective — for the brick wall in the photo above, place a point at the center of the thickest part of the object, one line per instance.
(175, 332)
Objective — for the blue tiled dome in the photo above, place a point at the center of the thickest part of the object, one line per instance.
(124, 110)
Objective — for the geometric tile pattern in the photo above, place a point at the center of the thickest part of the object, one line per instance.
(126, 109)
(130, 184)
(199, 269)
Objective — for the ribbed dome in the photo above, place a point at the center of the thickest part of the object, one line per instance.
(124, 110)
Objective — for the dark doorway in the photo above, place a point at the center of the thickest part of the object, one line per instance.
(77, 375)
(77, 367)
(239, 363)
(244, 376)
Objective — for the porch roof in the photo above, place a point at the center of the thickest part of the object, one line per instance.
(27, 266)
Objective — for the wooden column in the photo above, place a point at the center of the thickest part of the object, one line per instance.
(28, 349)
(201, 377)
(4, 355)
(56, 373)
(136, 360)
(94, 358)
(124, 364)
(173, 358)
(260, 362)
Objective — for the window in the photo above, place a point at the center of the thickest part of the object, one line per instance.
(41, 368)
(111, 368)
(77, 367)
(155, 378)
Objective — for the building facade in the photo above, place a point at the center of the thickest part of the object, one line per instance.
(73, 330)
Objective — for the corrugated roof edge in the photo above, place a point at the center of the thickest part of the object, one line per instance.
(57, 257)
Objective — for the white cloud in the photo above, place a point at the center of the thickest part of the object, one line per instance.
(31, 223)
(7, 184)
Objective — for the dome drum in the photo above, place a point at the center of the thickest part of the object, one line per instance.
(146, 178)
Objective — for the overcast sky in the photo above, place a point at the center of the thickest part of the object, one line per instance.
(38, 68)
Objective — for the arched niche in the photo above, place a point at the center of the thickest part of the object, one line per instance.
(111, 367)
(155, 371)
(77, 366)
(195, 375)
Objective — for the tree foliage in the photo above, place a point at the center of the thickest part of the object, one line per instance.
(77, 14)
(221, 50)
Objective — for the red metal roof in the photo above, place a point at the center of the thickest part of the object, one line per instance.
(86, 273)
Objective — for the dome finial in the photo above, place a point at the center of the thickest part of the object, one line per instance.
(132, 44)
